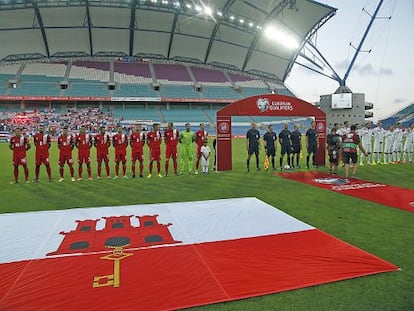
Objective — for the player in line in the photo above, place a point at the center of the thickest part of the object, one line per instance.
(42, 143)
(102, 141)
(83, 142)
(171, 138)
(186, 139)
(19, 144)
(154, 144)
(200, 136)
(65, 145)
(137, 141)
(120, 143)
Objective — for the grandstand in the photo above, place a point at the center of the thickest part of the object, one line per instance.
(405, 116)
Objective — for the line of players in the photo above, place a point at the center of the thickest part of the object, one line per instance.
(84, 141)
(392, 145)
(290, 143)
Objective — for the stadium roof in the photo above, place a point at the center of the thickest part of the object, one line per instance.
(248, 35)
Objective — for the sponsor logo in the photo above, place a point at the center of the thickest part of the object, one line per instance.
(320, 126)
(223, 127)
(262, 104)
(331, 181)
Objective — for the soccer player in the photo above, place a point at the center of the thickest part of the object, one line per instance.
(186, 139)
(333, 142)
(201, 135)
(408, 144)
(312, 144)
(286, 145)
(398, 143)
(137, 141)
(296, 138)
(171, 137)
(42, 143)
(378, 133)
(252, 145)
(120, 142)
(350, 144)
(205, 156)
(154, 144)
(83, 142)
(270, 139)
(65, 145)
(19, 144)
(388, 143)
(102, 142)
(366, 138)
(345, 129)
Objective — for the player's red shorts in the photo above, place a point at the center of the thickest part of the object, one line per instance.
(171, 152)
(19, 160)
(102, 156)
(137, 156)
(84, 158)
(42, 159)
(65, 158)
(155, 154)
(120, 156)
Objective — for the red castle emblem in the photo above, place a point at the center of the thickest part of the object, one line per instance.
(118, 232)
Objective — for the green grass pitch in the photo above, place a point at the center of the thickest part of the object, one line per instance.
(384, 231)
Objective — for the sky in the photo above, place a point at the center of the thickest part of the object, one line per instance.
(385, 75)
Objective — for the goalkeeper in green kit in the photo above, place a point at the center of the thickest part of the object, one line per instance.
(186, 139)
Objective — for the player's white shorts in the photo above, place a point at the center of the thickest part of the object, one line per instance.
(368, 148)
(408, 147)
(397, 146)
(388, 148)
(378, 145)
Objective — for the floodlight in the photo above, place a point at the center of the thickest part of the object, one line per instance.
(208, 11)
(164, 1)
(188, 5)
(231, 17)
(197, 8)
(241, 20)
(219, 13)
(251, 24)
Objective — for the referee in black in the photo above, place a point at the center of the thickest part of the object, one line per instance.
(252, 145)
(286, 144)
(312, 144)
(270, 138)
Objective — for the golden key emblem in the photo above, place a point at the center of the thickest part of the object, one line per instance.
(112, 279)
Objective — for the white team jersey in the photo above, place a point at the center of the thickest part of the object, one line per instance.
(398, 135)
(366, 136)
(378, 133)
(344, 130)
(389, 137)
(409, 136)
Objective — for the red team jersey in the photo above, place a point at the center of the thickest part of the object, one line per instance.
(102, 143)
(120, 142)
(42, 143)
(84, 142)
(200, 137)
(19, 145)
(137, 141)
(171, 140)
(154, 143)
(65, 145)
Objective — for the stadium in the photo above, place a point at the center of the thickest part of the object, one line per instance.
(227, 240)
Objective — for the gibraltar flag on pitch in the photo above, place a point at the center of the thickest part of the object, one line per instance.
(166, 256)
